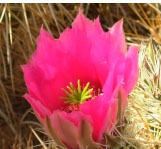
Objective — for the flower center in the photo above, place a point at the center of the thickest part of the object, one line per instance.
(77, 95)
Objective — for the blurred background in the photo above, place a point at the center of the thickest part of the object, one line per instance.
(19, 27)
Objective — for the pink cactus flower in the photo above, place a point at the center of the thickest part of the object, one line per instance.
(75, 82)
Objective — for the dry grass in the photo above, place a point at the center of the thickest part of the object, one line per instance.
(19, 27)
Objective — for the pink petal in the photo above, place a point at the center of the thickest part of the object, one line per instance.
(117, 38)
(67, 126)
(76, 116)
(41, 88)
(107, 49)
(98, 108)
(131, 69)
(113, 109)
(87, 26)
(65, 129)
(39, 109)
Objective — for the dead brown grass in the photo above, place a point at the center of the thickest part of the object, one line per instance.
(19, 27)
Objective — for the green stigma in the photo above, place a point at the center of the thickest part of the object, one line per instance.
(77, 95)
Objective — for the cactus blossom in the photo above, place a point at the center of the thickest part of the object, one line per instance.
(75, 82)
